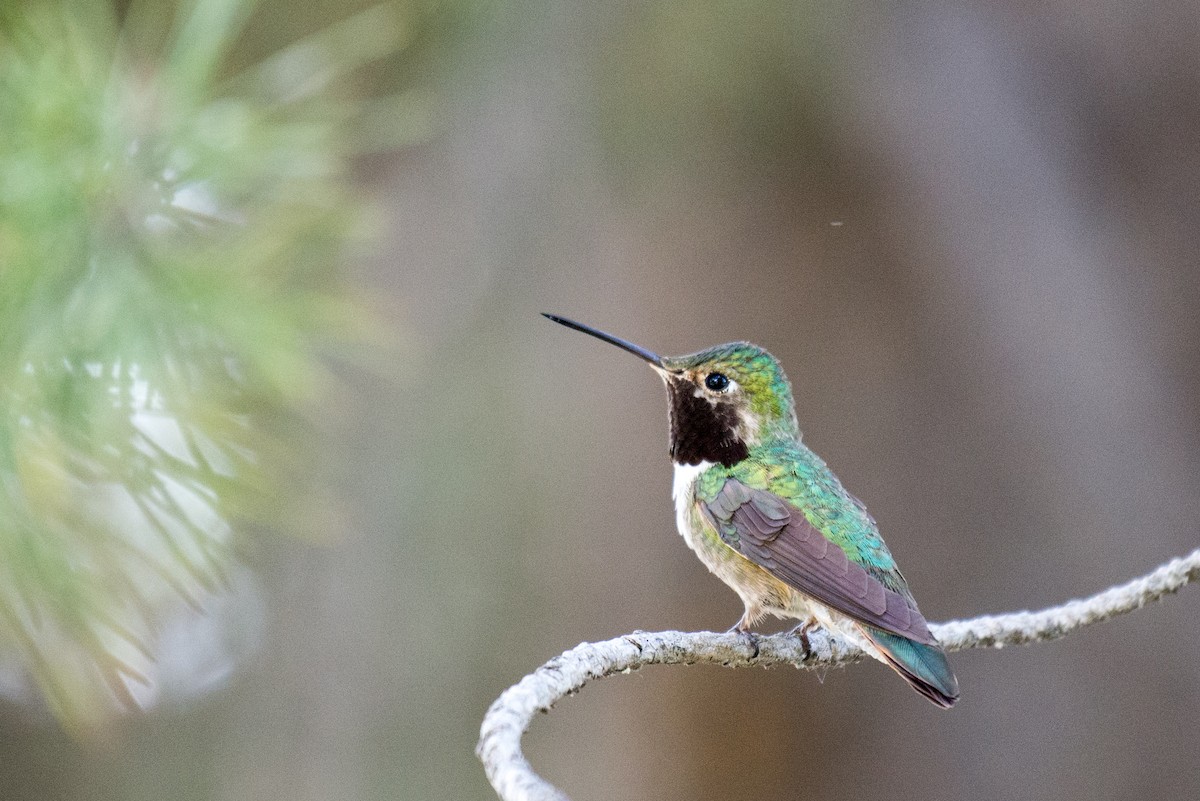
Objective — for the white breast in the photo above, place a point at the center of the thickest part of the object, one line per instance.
(684, 493)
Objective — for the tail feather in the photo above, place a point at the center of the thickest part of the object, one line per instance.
(924, 667)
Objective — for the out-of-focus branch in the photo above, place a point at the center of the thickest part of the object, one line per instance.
(508, 718)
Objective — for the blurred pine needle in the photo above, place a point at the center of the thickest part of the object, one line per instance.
(168, 251)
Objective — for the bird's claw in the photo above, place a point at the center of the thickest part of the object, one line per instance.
(742, 629)
(801, 631)
(751, 639)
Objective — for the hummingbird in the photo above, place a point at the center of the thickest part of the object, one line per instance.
(770, 519)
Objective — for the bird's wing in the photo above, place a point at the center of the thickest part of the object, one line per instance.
(774, 534)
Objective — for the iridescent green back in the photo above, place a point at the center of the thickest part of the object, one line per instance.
(793, 472)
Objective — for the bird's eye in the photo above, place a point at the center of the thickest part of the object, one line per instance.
(717, 382)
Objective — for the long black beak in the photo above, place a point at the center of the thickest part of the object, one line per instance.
(636, 350)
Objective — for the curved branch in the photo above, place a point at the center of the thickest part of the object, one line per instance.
(509, 717)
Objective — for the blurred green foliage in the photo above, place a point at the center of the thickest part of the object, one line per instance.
(169, 237)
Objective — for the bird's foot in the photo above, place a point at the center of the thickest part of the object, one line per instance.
(742, 629)
(801, 631)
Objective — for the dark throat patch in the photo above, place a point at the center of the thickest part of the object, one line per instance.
(701, 431)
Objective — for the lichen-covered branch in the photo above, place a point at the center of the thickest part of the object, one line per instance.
(508, 718)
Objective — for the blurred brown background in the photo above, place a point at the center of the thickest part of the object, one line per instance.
(968, 232)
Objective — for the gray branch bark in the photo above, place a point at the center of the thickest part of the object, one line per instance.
(509, 717)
